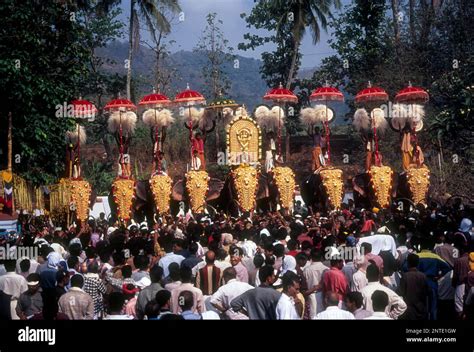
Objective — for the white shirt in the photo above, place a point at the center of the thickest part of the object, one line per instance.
(286, 309)
(249, 248)
(359, 281)
(167, 260)
(59, 249)
(13, 284)
(378, 316)
(334, 313)
(396, 304)
(222, 265)
(226, 293)
(119, 317)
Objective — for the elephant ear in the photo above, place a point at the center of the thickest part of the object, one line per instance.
(178, 191)
(215, 187)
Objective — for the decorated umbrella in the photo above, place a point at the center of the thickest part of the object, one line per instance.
(279, 96)
(189, 97)
(412, 95)
(123, 189)
(372, 96)
(82, 109)
(326, 94)
(120, 104)
(155, 101)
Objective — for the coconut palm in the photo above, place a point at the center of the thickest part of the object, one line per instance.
(153, 13)
(303, 14)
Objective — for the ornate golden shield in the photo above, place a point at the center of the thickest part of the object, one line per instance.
(418, 181)
(381, 179)
(285, 181)
(197, 186)
(161, 188)
(333, 185)
(80, 195)
(246, 184)
(123, 191)
(243, 141)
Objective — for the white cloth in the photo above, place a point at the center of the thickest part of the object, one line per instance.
(14, 285)
(249, 248)
(33, 265)
(396, 304)
(59, 249)
(313, 274)
(269, 163)
(380, 243)
(286, 309)
(359, 281)
(226, 293)
(167, 260)
(378, 316)
(334, 313)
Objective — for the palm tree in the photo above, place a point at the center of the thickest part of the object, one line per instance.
(301, 14)
(152, 12)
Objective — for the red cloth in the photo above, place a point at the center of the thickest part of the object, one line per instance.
(198, 144)
(334, 280)
(368, 225)
(293, 253)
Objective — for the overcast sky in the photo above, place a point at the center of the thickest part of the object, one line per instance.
(187, 33)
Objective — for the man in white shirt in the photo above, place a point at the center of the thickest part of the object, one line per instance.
(289, 307)
(359, 278)
(14, 285)
(225, 294)
(169, 258)
(379, 303)
(396, 305)
(333, 312)
(198, 302)
(313, 274)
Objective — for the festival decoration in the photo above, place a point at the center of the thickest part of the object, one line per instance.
(123, 191)
(381, 180)
(80, 192)
(160, 186)
(285, 181)
(246, 183)
(419, 182)
(244, 140)
(333, 185)
(197, 187)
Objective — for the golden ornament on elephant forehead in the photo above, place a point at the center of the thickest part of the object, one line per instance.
(246, 183)
(80, 196)
(333, 185)
(123, 191)
(197, 187)
(285, 181)
(244, 141)
(381, 179)
(161, 189)
(418, 181)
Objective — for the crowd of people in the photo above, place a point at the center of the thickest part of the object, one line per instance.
(349, 264)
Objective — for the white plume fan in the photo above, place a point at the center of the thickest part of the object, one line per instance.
(309, 117)
(128, 119)
(416, 112)
(71, 136)
(261, 114)
(194, 113)
(269, 118)
(321, 112)
(379, 120)
(207, 119)
(399, 116)
(361, 120)
(158, 118)
(241, 111)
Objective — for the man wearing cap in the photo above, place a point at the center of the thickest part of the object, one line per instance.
(30, 302)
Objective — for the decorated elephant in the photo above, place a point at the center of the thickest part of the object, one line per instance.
(323, 190)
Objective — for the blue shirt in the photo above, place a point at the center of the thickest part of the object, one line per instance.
(189, 315)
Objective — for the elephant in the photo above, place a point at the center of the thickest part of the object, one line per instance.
(180, 197)
(266, 197)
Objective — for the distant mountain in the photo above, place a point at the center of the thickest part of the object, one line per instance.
(247, 86)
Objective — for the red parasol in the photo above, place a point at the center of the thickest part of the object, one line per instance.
(371, 94)
(326, 94)
(189, 97)
(155, 100)
(412, 95)
(120, 103)
(83, 108)
(280, 95)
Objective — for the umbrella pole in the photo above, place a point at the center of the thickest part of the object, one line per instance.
(78, 150)
(326, 125)
(121, 145)
(279, 131)
(191, 135)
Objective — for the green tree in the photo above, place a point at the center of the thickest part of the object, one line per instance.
(152, 12)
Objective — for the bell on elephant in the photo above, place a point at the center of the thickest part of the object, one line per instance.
(197, 187)
(418, 181)
(160, 186)
(381, 181)
(246, 183)
(285, 180)
(333, 185)
(123, 191)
